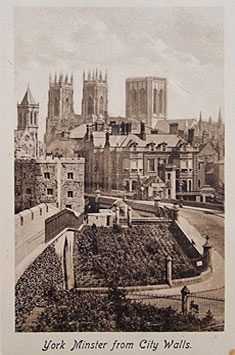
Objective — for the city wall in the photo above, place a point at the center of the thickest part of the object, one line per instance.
(30, 230)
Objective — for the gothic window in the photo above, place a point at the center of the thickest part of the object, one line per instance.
(101, 106)
(20, 119)
(134, 100)
(66, 105)
(160, 101)
(56, 107)
(35, 118)
(142, 101)
(31, 117)
(90, 106)
(155, 101)
(25, 118)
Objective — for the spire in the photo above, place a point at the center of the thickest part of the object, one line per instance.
(106, 76)
(100, 76)
(89, 75)
(71, 79)
(200, 121)
(55, 78)
(61, 78)
(84, 76)
(96, 74)
(66, 79)
(200, 117)
(28, 98)
(93, 75)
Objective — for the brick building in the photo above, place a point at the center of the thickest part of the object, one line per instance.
(59, 182)
(117, 160)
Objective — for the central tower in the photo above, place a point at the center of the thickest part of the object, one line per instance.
(95, 95)
(146, 99)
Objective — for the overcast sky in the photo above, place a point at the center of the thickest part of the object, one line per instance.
(185, 45)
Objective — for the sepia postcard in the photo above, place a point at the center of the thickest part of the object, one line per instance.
(117, 177)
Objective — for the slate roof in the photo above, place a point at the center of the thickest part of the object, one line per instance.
(28, 98)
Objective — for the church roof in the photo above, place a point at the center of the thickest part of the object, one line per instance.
(28, 98)
(78, 132)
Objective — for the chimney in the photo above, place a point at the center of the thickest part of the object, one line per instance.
(142, 131)
(190, 136)
(88, 131)
(123, 128)
(107, 142)
(128, 128)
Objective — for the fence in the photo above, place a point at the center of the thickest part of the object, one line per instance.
(197, 304)
(61, 220)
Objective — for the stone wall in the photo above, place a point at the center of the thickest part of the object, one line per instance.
(56, 181)
(30, 230)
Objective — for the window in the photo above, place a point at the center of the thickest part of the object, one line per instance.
(133, 164)
(151, 164)
(90, 106)
(190, 185)
(155, 101)
(126, 164)
(160, 101)
(49, 192)
(46, 175)
(70, 194)
(133, 101)
(70, 176)
(40, 211)
(142, 101)
(134, 185)
(199, 183)
(28, 191)
(21, 221)
(169, 192)
(56, 107)
(32, 215)
(68, 206)
(169, 176)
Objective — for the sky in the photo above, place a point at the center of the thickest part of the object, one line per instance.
(184, 45)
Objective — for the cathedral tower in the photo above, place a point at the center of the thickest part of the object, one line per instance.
(26, 134)
(60, 106)
(27, 113)
(146, 99)
(95, 95)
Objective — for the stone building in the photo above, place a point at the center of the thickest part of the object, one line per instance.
(59, 182)
(146, 99)
(26, 134)
(95, 96)
(61, 117)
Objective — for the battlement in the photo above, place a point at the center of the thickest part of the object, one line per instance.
(144, 78)
(94, 76)
(61, 80)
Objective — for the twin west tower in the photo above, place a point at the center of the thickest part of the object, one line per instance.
(146, 101)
